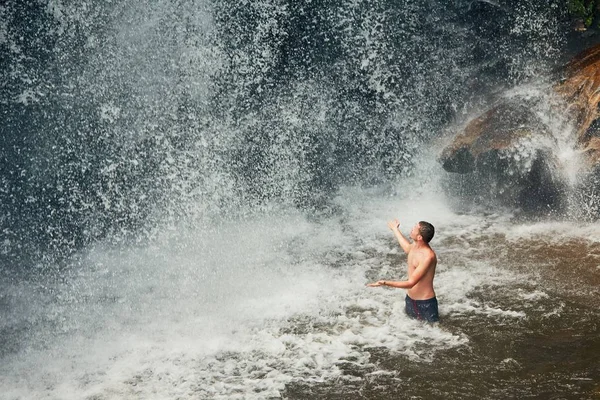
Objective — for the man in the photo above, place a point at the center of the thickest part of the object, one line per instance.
(421, 302)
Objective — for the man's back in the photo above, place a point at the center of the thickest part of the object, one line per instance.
(423, 257)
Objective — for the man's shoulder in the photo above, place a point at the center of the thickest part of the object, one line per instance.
(426, 253)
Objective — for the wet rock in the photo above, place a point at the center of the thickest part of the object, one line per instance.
(591, 152)
(510, 148)
(580, 88)
(485, 137)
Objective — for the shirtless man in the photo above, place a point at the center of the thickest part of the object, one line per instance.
(420, 299)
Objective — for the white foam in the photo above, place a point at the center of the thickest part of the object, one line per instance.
(554, 231)
(241, 309)
(237, 313)
(533, 295)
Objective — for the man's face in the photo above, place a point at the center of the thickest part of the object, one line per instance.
(414, 232)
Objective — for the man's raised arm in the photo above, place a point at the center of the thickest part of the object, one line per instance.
(395, 227)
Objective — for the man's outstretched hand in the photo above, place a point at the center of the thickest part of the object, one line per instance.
(375, 284)
(394, 224)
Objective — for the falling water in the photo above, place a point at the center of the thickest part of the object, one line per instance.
(194, 194)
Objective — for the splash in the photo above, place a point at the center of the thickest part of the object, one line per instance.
(128, 117)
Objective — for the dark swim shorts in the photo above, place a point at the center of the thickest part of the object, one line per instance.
(426, 310)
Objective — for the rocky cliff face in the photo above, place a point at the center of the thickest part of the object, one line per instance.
(581, 92)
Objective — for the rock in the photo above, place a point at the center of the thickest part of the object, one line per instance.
(510, 148)
(592, 152)
(512, 119)
(497, 129)
(580, 89)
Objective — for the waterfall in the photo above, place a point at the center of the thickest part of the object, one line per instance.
(121, 119)
(194, 193)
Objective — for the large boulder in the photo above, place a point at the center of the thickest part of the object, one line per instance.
(518, 145)
(496, 130)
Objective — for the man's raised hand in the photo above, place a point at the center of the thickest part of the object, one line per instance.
(394, 224)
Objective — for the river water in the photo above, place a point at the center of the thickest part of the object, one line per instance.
(194, 195)
(276, 307)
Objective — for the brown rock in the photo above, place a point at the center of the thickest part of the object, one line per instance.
(581, 91)
(505, 123)
(592, 151)
(496, 130)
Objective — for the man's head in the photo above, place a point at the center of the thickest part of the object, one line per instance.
(423, 229)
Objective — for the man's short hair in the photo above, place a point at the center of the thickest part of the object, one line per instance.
(426, 230)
